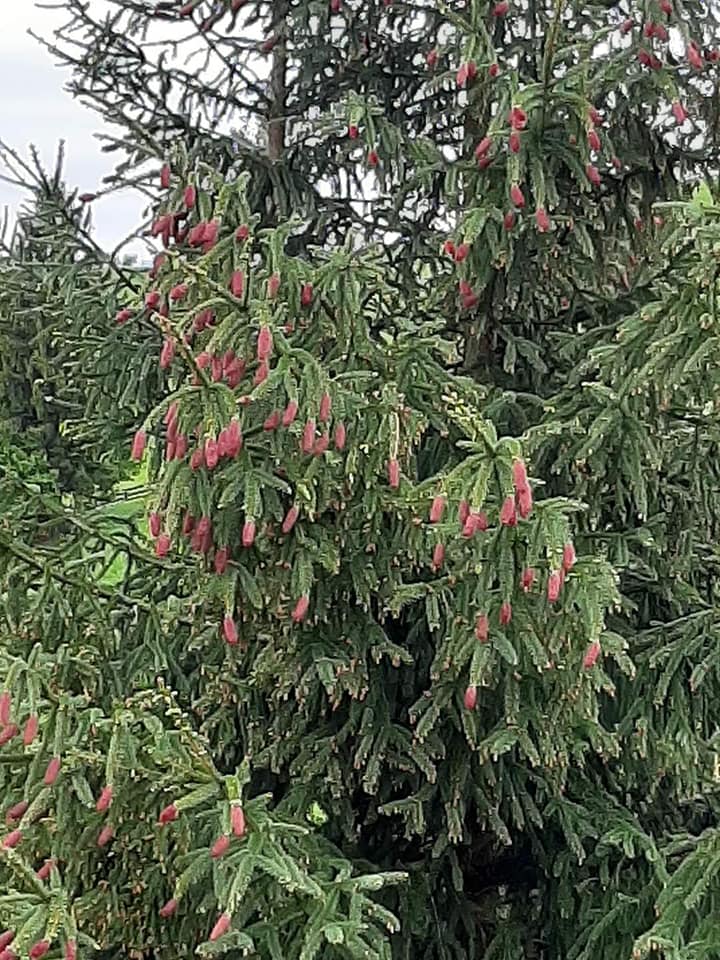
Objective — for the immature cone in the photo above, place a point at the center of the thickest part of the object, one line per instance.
(237, 820)
(154, 523)
(321, 445)
(470, 698)
(568, 558)
(71, 950)
(431, 59)
(237, 283)
(138, 446)
(483, 147)
(505, 613)
(230, 631)
(221, 927)
(179, 292)
(220, 847)
(105, 836)
(593, 174)
(8, 732)
(308, 437)
(393, 469)
(591, 655)
(517, 118)
(273, 286)
(463, 512)
(242, 233)
(261, 374)
(16, 812)
(12, 839)
(162, 545)
(517, 196)
(679, 112)
(353, 131)
(39, 949)
(436, 509)
(594, 140)
(248, 533)
(289, 413)
(221, 560)
(104, 800)
(272, 422)
(508, 517)
(462, 252)
(169, 909)
(6, 938)
(300, 609)
(264, 343)
(168, 814)
(509, 220)
(152, 299)
(188, 524)
(189, 196)
(542, 220)
(167, 354)
(340, 436)
(527, 579)
(373, 158)
(290, 519)
(31, 729)
(306, 295)
(482, 628)
(5, 707)
(449, 248)
(514, 142)
(325, 407)
(554, 586)
(44, 872)
(165, 176)
(524, 502)
(438, 556)
(51, 771)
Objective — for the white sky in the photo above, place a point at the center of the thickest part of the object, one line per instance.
(34, 108)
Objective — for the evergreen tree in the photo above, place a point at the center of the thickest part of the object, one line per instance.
(327, 693)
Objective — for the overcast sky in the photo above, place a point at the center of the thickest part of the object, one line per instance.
(34, 108)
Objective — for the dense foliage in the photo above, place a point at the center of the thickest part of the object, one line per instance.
(315, 669)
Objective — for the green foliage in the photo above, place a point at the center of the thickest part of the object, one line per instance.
(410, 787)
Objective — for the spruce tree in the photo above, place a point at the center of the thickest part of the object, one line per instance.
(349, 693)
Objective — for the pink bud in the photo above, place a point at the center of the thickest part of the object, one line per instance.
(220, 847)
(470, 698)
(517, 196)
(340, 436)
(179, 292)
(162, 545)
(261, 374)
(242, 233)
(553, 586)
(593, 140)
(463, 512)
(237, 283)
(237, 820)
(482, 628)
(438, 556)
(45, 870)
(273, 286)
(542, 220)
(300, 609)
(39, 949)
(593, 174)
(248, 533)
(31, 729)
(168, 814)
(221, 927)
(290, 519)
(12, 839)
(308, 437)
(527, 579)
(230, 631)
(169, 909)
(679, 112)
(165, 176)
(568, 560)
(5, 707)
(591, 655)
(16, 812)
(104, 800)
(508, 517)
(154, 523)
(70, 950)
(436, 509)
(221, 560)
(393, 469)
(138, 446)
(272, 422)
(6, 938)
(51, 771)
(306, 294)
(505, 613)
(325, 407)
(105, 836)
(524, 502)
(8, 732)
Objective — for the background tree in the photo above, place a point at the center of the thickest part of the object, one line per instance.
(530, 822)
